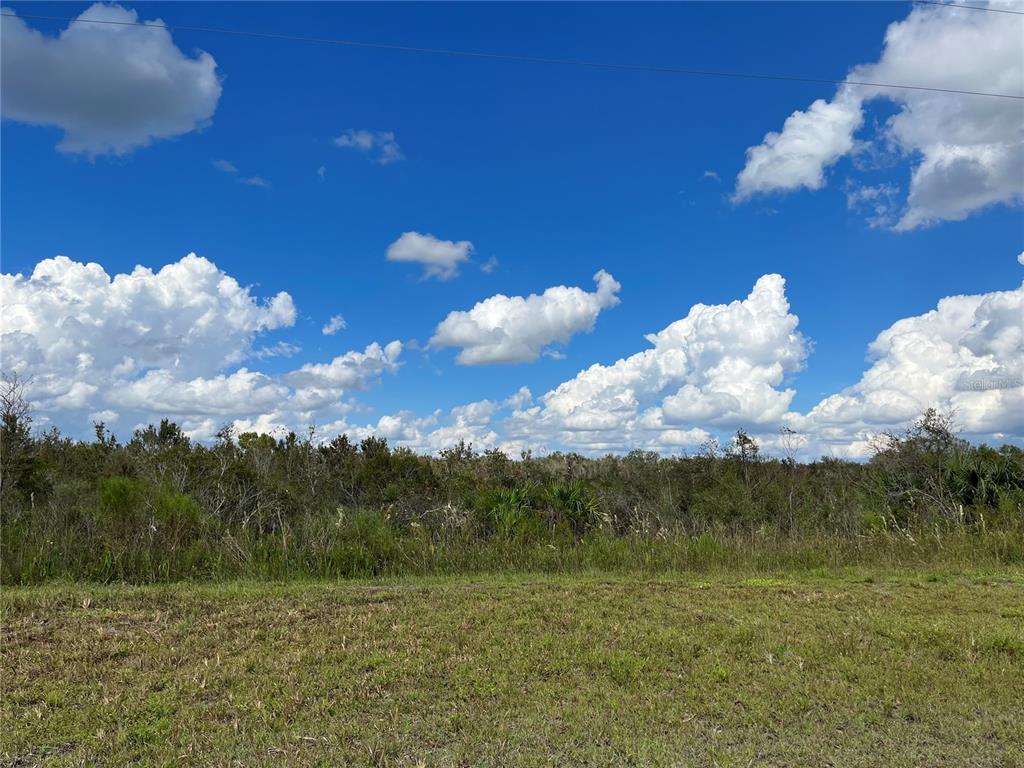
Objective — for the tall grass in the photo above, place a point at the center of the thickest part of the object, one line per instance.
(367, 544)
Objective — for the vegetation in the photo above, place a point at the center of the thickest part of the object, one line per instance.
(160, 507)
(722, 609)
(910, 670)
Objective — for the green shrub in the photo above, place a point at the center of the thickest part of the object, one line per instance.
(177, 514)
(120, 500)
(365, 544)
(510, 514)
(573, 505)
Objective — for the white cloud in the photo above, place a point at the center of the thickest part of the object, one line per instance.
(469, 423)
(966, 356)
(440, 258)
(112, 88)
(321, 172)
(877, 202)
(472, 423)
(754, 340)
(226, 166)
(490, 265)
(335, 324)
(721, 366)
(146, 345)
(348, 371)
(278, 349)
(514, 329)
(809, 143)
(188, 316)
(474, 414)
(1020, 258)
(159, 344)
(968, 151)
(159, 391)
(379, 146)
(520, 399)
(107, 417)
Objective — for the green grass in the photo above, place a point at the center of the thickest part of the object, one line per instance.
(909, 668)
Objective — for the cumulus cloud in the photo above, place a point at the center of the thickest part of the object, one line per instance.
(966, 356)
(161, 391)
(225, 166)
(379, 146)
(520, 399)
(476, 423)
(514, 329)
(440, 258)
(188, 316)
(348, 371)
(110, 87)
(809, 143)
(174, 343)
(154, 344)
(335, 324)
(721, 366)
(968, 151)
(469, 423)
(725, 366)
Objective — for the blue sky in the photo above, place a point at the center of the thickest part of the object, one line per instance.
(555, 172)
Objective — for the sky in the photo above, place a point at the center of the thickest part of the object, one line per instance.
(272, 234)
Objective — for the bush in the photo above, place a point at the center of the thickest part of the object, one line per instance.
(177, 516)
(366, 545)
(120, 500)
(509, 513)
(573, 506)
(161, 507)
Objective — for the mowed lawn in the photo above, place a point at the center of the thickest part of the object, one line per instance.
(899, 670)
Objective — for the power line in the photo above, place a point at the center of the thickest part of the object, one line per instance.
(968, 7)
(515, 57)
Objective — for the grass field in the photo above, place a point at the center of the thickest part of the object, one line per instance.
(907, 669)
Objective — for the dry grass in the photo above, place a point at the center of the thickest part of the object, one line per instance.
(906, 670)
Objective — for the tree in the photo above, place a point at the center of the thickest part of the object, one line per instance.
(911, 469)
(17, 450)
